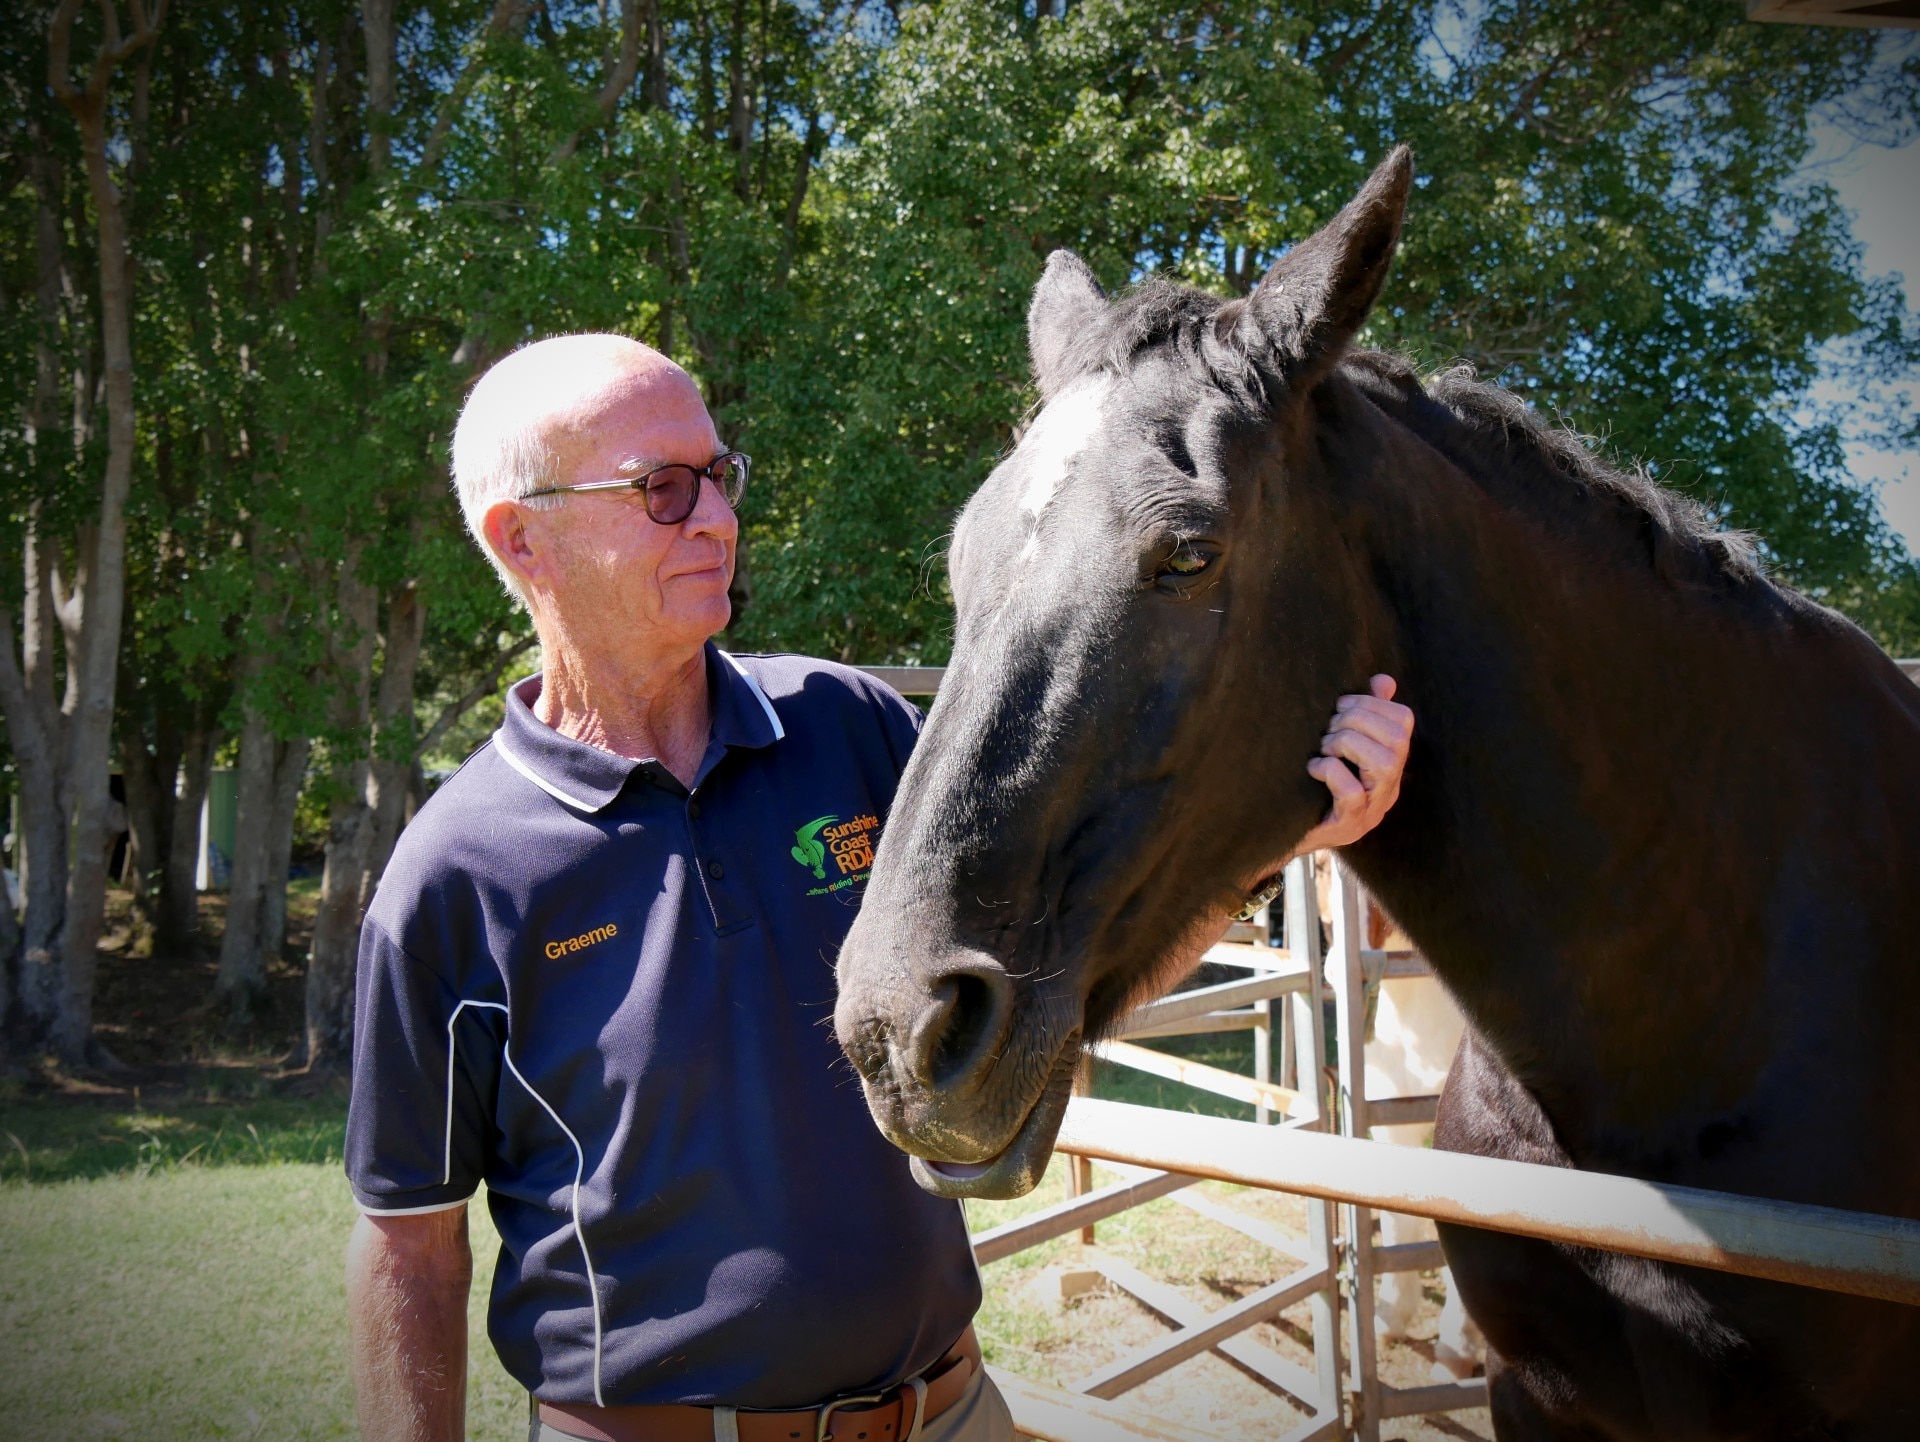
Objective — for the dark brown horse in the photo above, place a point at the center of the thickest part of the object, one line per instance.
(1657, 833)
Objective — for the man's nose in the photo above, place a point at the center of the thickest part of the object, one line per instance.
(712, 516)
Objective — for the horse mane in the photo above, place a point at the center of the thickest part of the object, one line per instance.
(1490, 430)
(1495, 432)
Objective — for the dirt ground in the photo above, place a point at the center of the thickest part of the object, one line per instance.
(155, 1012)
(1031, 1329)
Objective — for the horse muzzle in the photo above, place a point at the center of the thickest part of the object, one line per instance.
(960, 1072)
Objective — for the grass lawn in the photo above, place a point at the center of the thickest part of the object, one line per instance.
(172, 1238)
(196, 1302)
(172, 1271)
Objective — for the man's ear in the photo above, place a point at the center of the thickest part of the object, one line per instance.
(1306, 310)
(505, 527)
(1065, 304)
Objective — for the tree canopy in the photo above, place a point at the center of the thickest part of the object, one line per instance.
(336, 214)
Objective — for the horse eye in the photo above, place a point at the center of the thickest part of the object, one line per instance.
(1188, 562)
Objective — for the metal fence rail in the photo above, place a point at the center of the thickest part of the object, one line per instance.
(1841, 1251)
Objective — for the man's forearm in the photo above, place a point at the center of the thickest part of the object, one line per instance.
(407, 1281)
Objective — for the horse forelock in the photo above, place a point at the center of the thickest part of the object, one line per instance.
(1193, 326)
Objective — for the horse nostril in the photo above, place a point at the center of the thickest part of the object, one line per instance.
(956, 1035)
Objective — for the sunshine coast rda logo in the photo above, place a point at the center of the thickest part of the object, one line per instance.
(845, 845)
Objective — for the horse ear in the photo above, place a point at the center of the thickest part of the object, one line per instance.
(1065, 303)
(1308, 307)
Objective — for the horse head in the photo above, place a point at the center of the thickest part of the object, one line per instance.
(1080, 804)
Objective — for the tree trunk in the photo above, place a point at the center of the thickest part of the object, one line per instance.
(376, 22)
(739, 100)
(290, 771)
(9, 956)
(169, 749)
(242, 978)
(179, 918)
(391, 774)
(26, 691)
(657, 94)
(336, 924)
(139, 873)
(31, 709)
(143, 811)
(90, 736)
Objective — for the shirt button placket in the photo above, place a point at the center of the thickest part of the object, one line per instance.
(713, 867)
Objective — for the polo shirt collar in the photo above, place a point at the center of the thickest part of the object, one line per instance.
(588, 779)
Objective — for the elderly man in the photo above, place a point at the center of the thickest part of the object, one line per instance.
(598, 977)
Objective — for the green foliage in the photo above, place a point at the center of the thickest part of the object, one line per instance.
(834, 215)
(1609, 220)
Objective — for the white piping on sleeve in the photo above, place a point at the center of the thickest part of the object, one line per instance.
(500, 745)
(579, 1167)
(779, 731)
(367, 1211)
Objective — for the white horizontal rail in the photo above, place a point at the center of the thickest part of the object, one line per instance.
(1440, 1397)
(1199, 1075)
(909, 680)
(1136, 1189)
(1213, 1021)
(1184, 1005)
(1400, 1111)
(1842, 1251)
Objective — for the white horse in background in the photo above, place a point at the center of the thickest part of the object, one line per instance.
(1416, 1030)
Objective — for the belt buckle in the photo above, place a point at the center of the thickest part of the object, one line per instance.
(851, 1399)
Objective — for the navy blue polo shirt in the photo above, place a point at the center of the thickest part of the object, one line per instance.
(610, 999)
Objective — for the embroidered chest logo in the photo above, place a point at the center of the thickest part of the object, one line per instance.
(557, 949)
(846, 846)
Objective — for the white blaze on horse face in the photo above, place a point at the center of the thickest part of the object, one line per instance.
(1058, 434)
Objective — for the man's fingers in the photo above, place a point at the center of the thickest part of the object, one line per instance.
(1363, 751)
(1371, 734)
(1387, 726)
(1345, 786)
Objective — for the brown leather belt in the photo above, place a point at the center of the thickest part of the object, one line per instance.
(871, 1417)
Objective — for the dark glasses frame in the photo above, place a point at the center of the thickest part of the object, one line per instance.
(726, 472)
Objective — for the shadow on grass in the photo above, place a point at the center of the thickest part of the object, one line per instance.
(58, 1139)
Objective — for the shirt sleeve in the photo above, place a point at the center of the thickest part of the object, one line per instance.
(900, 723)
(426, 1069)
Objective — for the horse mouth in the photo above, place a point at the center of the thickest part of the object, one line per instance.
(1018, 1167)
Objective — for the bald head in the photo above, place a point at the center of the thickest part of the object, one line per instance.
(548, 407)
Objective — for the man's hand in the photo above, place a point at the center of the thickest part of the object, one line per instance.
(1373, 732)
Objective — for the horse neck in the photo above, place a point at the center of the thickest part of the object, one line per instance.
(1549, 852)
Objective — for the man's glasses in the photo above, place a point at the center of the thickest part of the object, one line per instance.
(671, 492)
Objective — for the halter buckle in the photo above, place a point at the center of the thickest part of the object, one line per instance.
(1262, 898)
